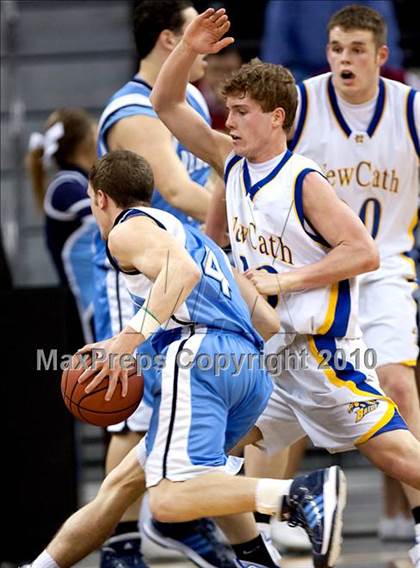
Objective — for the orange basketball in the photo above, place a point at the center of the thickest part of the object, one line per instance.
(92, 407)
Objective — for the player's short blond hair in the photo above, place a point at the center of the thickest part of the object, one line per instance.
(357, 17)
(272, 86)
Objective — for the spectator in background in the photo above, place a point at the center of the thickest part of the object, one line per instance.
(68, 144)
(295, 35)
(219, 66)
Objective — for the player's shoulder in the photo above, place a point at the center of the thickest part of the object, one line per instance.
(397, 90)
(299, 163)
(231, 160)
(133, 87)
(315, 82)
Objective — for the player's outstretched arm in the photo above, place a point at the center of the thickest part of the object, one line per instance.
(148, 137)
(203, 35)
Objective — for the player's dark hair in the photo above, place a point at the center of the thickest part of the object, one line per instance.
(125, 176)
(151, 17)
(358, 17)
(271, 85)
(78, 126)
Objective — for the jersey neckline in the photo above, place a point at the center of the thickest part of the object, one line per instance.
(377, 114)
(252, 190)
(137, 79)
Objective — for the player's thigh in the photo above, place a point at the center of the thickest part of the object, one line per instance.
(337, 399)
(126, 482)
(278, 424)
(253, 389)
(190, 410)
(120, 445)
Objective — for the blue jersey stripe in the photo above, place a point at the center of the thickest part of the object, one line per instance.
(252, 190)
(411, 120)
(344, 370)
(299, 208)
(302, 117)
(230, 165)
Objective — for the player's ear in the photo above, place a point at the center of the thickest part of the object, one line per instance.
(168, 40)
(278, 116)
(328, 53)
(382, 55)
(102, 199)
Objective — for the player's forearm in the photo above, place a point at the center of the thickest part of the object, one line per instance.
(170, 86)
(264, 317)
(171, 288)
(343, 262)
(216, 220)
(190, 198)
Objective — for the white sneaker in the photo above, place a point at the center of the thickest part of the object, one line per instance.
(289, 538)
(397, 528)
(414, 555)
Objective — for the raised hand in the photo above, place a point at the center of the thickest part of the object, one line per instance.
(205, 32)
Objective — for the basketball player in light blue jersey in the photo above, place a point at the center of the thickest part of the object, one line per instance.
(133, 101)
(129, 122)
(190, 313)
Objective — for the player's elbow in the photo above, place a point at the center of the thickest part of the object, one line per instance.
(172, 192)
(369, 257)
(157, 100)
(191, 274)
(161, 103)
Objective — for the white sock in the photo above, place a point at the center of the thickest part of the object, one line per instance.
(44, 560)
(268, 493)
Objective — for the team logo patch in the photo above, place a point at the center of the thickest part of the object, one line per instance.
(362, 408)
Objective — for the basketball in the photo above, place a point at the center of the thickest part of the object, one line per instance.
(92, 407)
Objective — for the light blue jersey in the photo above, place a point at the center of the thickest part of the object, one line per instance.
(199, 411)
(134, 100)
(216, 302)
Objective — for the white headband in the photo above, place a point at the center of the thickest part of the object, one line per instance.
(48, 141)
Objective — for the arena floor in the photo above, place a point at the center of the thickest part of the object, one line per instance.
(358, 553)
(361, 548)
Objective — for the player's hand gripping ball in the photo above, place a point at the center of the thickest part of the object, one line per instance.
(92, 407)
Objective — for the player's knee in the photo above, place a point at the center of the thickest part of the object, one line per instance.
(164, 505)
(120, 481)
(401, 388)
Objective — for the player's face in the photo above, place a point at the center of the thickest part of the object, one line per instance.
(199, 66)
(355, 61)
(250, 128)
